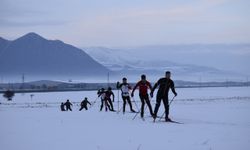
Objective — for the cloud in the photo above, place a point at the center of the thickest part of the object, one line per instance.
(31, 23)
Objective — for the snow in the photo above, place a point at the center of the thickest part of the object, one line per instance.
(214, 118)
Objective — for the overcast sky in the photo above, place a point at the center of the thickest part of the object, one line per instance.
(118, 23)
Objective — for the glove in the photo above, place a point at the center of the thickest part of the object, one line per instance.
(175, 94)
(151, 94)
(132, 94)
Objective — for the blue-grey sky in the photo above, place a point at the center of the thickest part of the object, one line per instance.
(118, 23)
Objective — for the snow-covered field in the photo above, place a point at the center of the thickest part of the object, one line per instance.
(214, 119)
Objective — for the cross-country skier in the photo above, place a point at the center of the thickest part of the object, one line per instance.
(107, 99)
(62, 107)
(84, 104)
(164, 85)
(101, 93)
(125, 87)
(68, 105)
(143, 85)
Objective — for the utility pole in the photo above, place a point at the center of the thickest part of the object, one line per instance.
(108, 79)
(247, 81)
(23, 80)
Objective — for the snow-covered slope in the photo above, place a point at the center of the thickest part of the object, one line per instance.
(214, 119)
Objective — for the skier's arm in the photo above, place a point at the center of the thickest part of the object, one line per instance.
(132, 94)
(113, 96)
(173, 88)
(149, 85)
(88, 102)
(155, 86)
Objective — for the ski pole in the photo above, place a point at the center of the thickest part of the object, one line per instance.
(135, 104)
(118, 92)
(94, 102)
(164, 111)
(139, 112)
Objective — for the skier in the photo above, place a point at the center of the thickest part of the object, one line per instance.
(125, 87)
(62, 107)
(68, 105)
(107, 99)
(143, 85)
(84, 104)
(101, 93)
(164, 85)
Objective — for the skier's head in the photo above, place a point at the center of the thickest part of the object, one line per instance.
(67, 100)
(109, 88)
(62, 103)
(168, 74)
(124, 80)
(102, 89)
(143, 77)
(85, 98)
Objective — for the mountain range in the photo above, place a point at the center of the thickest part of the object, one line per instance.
(134, 62)
(34, 55)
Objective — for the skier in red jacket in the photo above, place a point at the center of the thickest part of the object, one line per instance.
(143, 85)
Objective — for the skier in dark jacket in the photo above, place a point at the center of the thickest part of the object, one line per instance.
(125, 87)
(143, 85)
(164, 85)
(107, 99)
(62, 107)
(84, 104)
(68, 105)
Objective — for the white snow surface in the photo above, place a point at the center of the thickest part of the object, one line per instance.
(213, 119)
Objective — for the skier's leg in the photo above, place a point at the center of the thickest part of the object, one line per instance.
(81, 108)
(124, 103)
(111, 105)
(165, 102)
(130, 104)
(86, 107)
(101, 105)
(106, 105)
(157, 105)
(149, 105)
(142, 105)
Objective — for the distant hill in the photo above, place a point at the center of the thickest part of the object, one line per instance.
(34, 55)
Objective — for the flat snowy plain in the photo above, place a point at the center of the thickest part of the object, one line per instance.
(213, 119)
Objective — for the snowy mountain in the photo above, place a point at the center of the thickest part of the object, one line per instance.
(134, 62)
(34, 55)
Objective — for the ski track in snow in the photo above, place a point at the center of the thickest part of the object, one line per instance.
(213, 118)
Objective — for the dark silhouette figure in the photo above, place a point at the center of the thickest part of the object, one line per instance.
(62, 107)
(68, 105)
(84, 104)
(164, 85)
(143, 85)
(125, 87)
(9, 95)
(107, 99)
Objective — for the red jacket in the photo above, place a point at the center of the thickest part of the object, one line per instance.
(143, 87)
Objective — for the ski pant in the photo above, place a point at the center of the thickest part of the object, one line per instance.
(110, 104)
(160, 98)
(125, 100)
(68, 108)
(85, 107)
(104, 102)
(145, 98)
